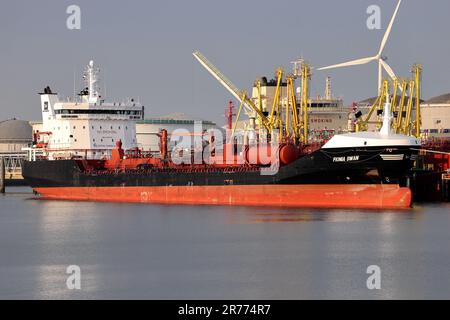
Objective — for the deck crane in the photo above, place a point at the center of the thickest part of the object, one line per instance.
(362, 123)
(292, 105)
(417, 73)
(293, 123)
(401, 113)
(242, 96)
(405, 122)
(305, 77)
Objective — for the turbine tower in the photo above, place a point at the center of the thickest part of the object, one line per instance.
(382, 64)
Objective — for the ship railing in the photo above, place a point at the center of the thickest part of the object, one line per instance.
(33, 153)
(179, 169)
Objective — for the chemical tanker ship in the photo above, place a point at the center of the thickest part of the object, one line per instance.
(354, 170)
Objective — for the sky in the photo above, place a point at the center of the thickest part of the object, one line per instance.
(144, 48)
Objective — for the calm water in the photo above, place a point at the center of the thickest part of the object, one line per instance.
(189, 252)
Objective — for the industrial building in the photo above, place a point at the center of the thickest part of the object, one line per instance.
(14, 135)
(436, 116)
(178, 127)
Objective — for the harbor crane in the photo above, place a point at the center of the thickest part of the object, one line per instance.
(240, 95)
(287, 117)
(405, 122)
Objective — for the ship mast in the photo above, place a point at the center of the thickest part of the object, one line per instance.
(387, 118)
(92, 79)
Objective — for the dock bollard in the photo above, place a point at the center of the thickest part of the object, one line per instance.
(2, 175)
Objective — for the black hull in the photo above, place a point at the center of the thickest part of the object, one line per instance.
(374, 165)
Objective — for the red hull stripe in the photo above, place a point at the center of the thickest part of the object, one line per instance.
(301, 196)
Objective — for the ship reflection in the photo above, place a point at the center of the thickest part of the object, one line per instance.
(265, 215)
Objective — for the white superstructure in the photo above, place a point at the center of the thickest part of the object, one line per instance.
(88, 126)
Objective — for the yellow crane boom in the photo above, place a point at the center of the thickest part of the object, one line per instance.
(241, 96)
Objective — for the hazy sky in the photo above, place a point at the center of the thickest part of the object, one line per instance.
(144, 48)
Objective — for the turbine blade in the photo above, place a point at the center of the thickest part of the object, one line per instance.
(380, 76)
(389, 28)
(390, 72)
(388, 69)
(350, 63)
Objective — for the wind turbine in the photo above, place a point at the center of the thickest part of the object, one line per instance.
(382, 64)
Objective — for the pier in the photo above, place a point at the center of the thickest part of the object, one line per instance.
(11, 169)
(2, 176)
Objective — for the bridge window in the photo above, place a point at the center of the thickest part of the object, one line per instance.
(98, 111)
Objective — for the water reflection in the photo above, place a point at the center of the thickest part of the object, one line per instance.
(194, 252)
(264, 215)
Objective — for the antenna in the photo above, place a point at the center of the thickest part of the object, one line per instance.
(297, 66)
(328, 94)
(104, 85)
(91, 78)
(74, 79)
